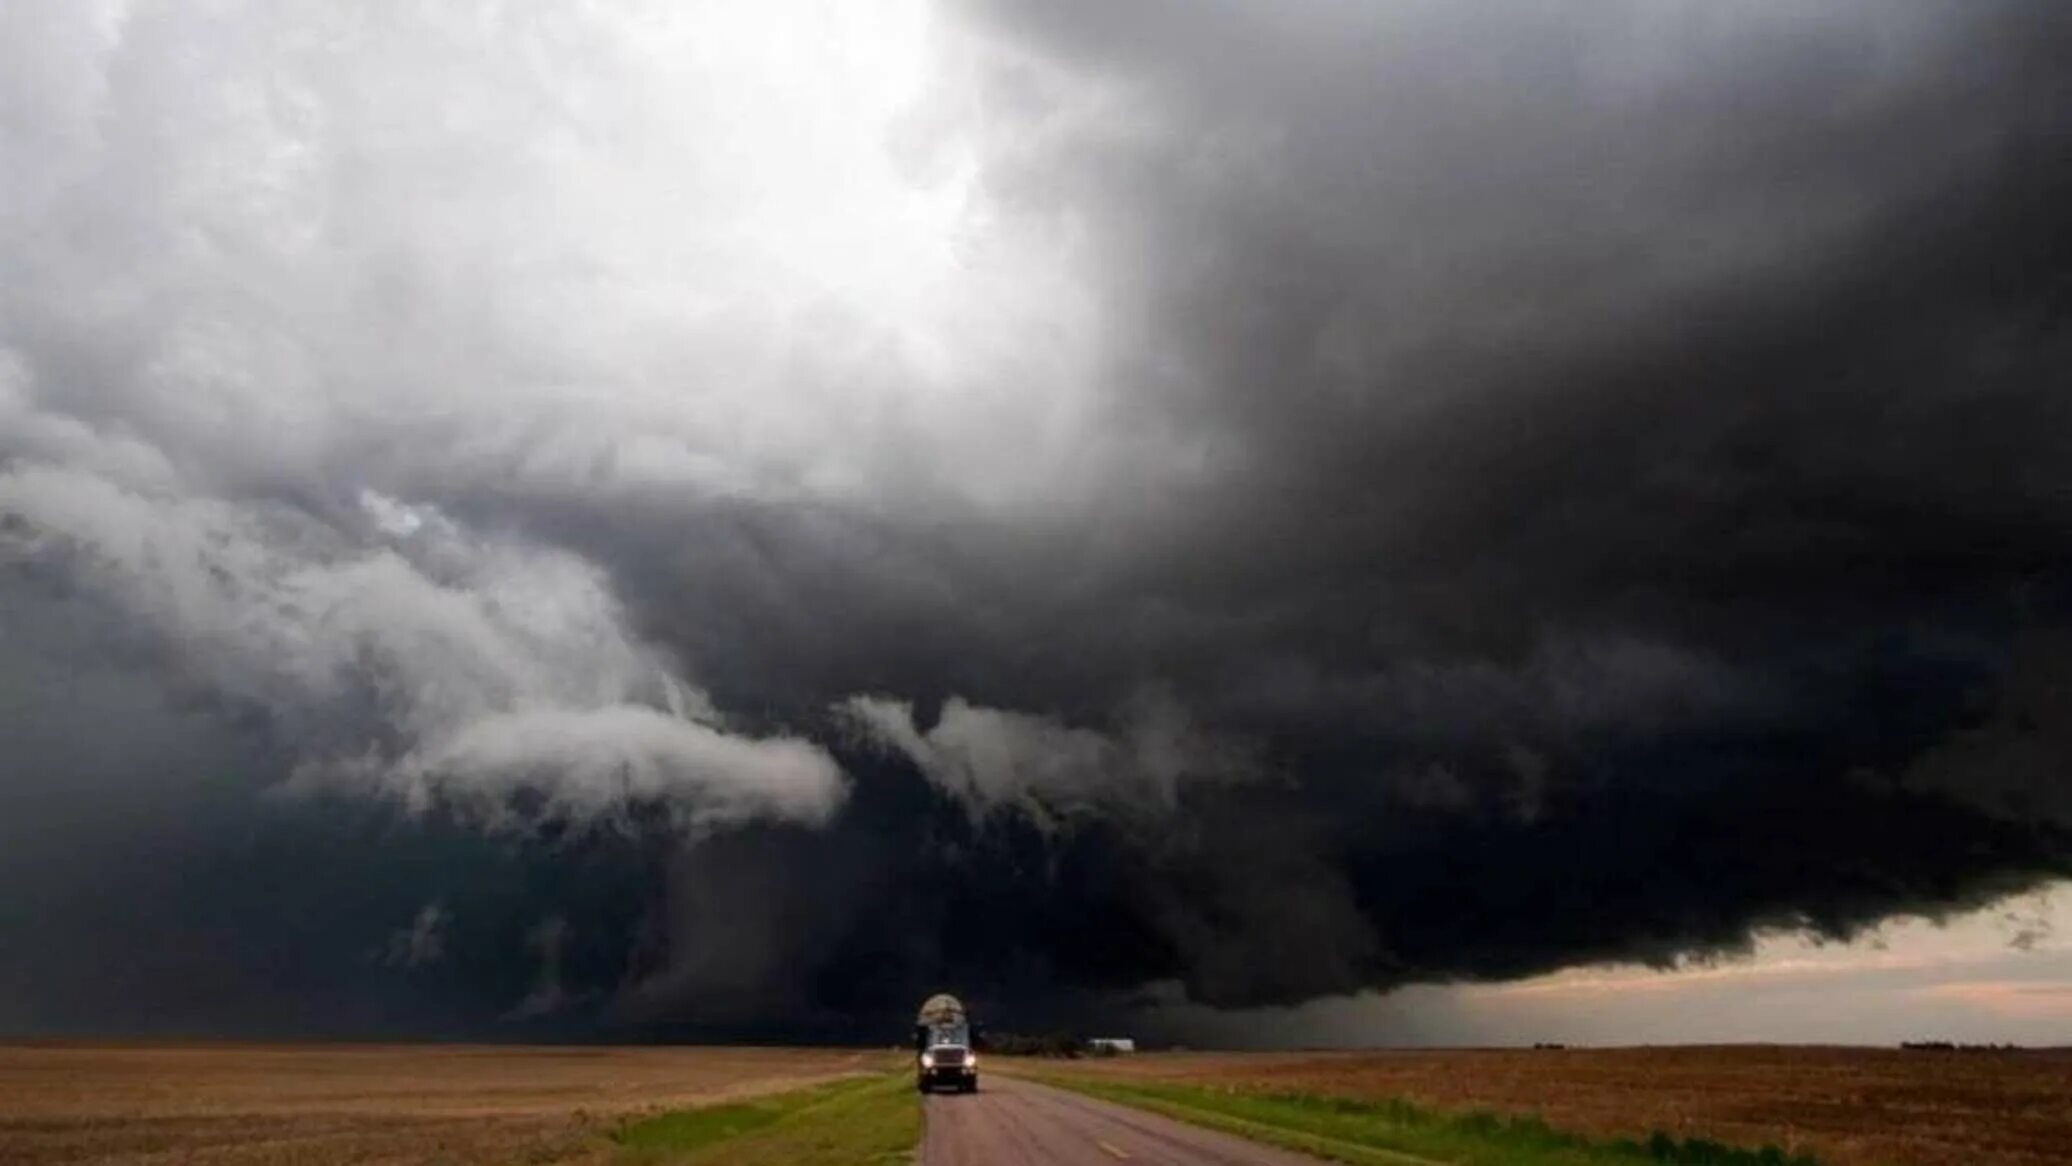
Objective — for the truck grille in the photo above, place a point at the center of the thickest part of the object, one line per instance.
(949, 1057)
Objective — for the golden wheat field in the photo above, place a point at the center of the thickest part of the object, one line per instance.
(323, 1104)
(1848, 1106)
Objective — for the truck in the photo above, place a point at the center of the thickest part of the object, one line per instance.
(945, 1050)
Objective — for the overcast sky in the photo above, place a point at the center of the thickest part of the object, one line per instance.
(1437, 521)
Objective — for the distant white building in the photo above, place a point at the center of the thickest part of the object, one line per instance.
(1110, 1045)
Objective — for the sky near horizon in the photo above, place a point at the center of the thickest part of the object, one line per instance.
(642, 518)
(2001, 975)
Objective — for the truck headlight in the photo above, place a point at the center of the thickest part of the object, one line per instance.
(971, 1060)
(928, 1060)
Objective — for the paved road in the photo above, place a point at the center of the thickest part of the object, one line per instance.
(1020, 1123)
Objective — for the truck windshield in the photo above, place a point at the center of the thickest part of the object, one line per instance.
(948, 1034)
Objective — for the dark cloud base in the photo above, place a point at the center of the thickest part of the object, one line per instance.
(1254, 897)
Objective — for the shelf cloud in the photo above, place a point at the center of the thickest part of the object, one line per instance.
(657, 517)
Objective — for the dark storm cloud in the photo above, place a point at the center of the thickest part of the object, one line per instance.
(1393, 493)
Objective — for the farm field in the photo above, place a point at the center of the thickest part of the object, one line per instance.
(1847, 1106)
(321, 1104)
(317, 1104)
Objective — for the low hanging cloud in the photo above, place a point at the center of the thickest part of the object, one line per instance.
(995, 759)
(405, 658)
(1581, 485)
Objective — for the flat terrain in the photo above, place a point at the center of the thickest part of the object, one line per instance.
(316, 1104)
(324, 1104)
(1851, 1107)
(1012, 1122)
(855, 1121)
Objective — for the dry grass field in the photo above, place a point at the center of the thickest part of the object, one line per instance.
(326, 1104)
(1851, 1107)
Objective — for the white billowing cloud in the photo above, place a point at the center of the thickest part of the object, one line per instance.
(402, 655)
(999, 759)
(30, 430)
(592, 760)
(284, 284)
(676, 249)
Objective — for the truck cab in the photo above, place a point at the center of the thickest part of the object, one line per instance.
(944, 1050)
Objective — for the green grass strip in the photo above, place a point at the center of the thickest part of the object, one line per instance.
(868, 1121)
(1398, 1133)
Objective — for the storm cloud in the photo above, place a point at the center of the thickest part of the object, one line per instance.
(679, 518)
